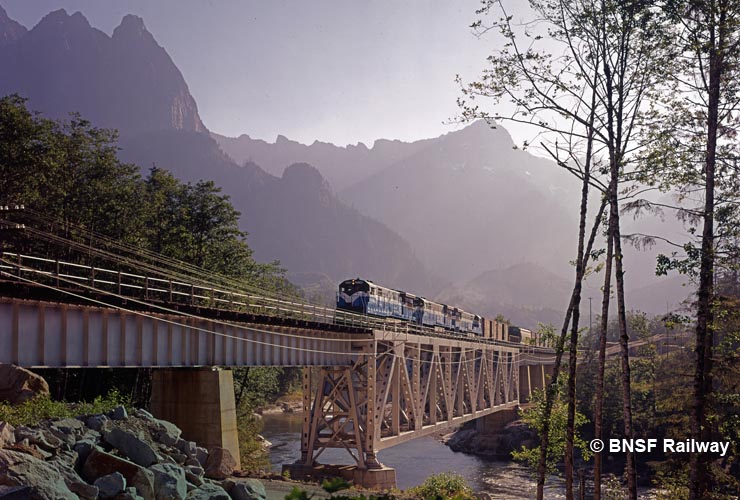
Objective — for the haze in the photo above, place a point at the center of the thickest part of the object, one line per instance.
(340, 72)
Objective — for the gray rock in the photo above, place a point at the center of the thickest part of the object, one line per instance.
(143, 414)
(111, 485)
(44, 440)
(187, 447)
(177, 456)
(128, 494)
(201, 455)
(195, 469)
(68, 426)
(193, 461)
(193, 479)
(118, 413)
(208, 492)
(15, 493)
(167, 433)
(7, 434)
(132, 446)
(169, 482)
(21, 469)
(65, 464)
(100, 464)
(85, 491)
(96, 422)
(249, 489)
(83, 449)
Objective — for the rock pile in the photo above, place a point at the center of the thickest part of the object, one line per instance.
(115, 456)
(497, 445)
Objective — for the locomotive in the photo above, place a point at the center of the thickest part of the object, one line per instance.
(366, 297)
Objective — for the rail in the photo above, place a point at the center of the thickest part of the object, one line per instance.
(165, 290)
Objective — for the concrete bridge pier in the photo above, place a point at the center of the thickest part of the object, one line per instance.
(200, 401)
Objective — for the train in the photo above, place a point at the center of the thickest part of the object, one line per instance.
(363, 296)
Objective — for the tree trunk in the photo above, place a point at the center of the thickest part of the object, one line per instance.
(700, 431)
(552, 385)
(599, 395)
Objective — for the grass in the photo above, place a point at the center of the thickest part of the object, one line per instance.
(43, 407)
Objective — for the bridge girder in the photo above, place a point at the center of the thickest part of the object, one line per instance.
(401, 387)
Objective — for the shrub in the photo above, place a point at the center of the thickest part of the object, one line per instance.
(446, 486)
(42, 407)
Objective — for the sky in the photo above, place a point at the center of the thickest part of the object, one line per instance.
(338, 71)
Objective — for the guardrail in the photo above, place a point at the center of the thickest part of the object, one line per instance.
(165, 290)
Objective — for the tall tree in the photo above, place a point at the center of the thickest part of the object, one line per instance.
(608, 54)
(694, 154)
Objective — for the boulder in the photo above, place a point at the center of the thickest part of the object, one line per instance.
(18, 385)
(128, 494)
(167, 433)
(41, 438)
(100, 463)
(249, 489)
(7, 434)
(201, 455)
(111, 485)
(83, 448)
(187, 447)
(45, 482)
(132, 446)
(96, 422)
(208, 492)
(15, 492)
(169, 482)
(118, 413)
(220, 464)
(66, 467)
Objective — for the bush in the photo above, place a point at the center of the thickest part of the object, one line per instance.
(42, 407)
(446, 486)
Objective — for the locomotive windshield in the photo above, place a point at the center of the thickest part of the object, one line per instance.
(350, 287)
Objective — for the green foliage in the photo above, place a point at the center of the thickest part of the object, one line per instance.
(254, 457)
(534, 417)
(299, 494)
(43, 407)
(69, 172)
(443, 486)
(334, 484)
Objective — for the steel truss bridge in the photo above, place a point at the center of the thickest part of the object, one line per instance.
(372, 383)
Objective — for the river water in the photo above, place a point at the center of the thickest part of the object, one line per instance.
(414, 461)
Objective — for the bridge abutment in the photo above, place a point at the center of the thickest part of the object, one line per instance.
(201, 402)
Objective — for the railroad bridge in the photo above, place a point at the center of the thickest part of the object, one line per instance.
(368, 383)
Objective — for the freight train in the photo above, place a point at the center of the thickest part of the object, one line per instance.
(366, 297)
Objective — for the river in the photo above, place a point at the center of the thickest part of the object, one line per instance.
(414, 461)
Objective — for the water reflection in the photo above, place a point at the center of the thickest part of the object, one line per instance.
(414, 461)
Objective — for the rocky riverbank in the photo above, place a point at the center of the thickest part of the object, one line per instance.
(495, 445)
(115, 456)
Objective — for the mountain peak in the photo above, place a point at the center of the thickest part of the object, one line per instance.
(10, 30)
(58, 18)
(132, 27)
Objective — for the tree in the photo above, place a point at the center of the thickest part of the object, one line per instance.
(694, 153)
(611, 54)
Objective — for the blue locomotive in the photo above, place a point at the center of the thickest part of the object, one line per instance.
(366, 297)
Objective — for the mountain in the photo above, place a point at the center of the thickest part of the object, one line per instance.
(469, 202)
(128, 81)
(10, 30)
(525, 294)
(124, 81)
(341, 166)
(295, 218)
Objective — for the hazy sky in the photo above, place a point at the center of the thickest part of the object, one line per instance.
(342, 71)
